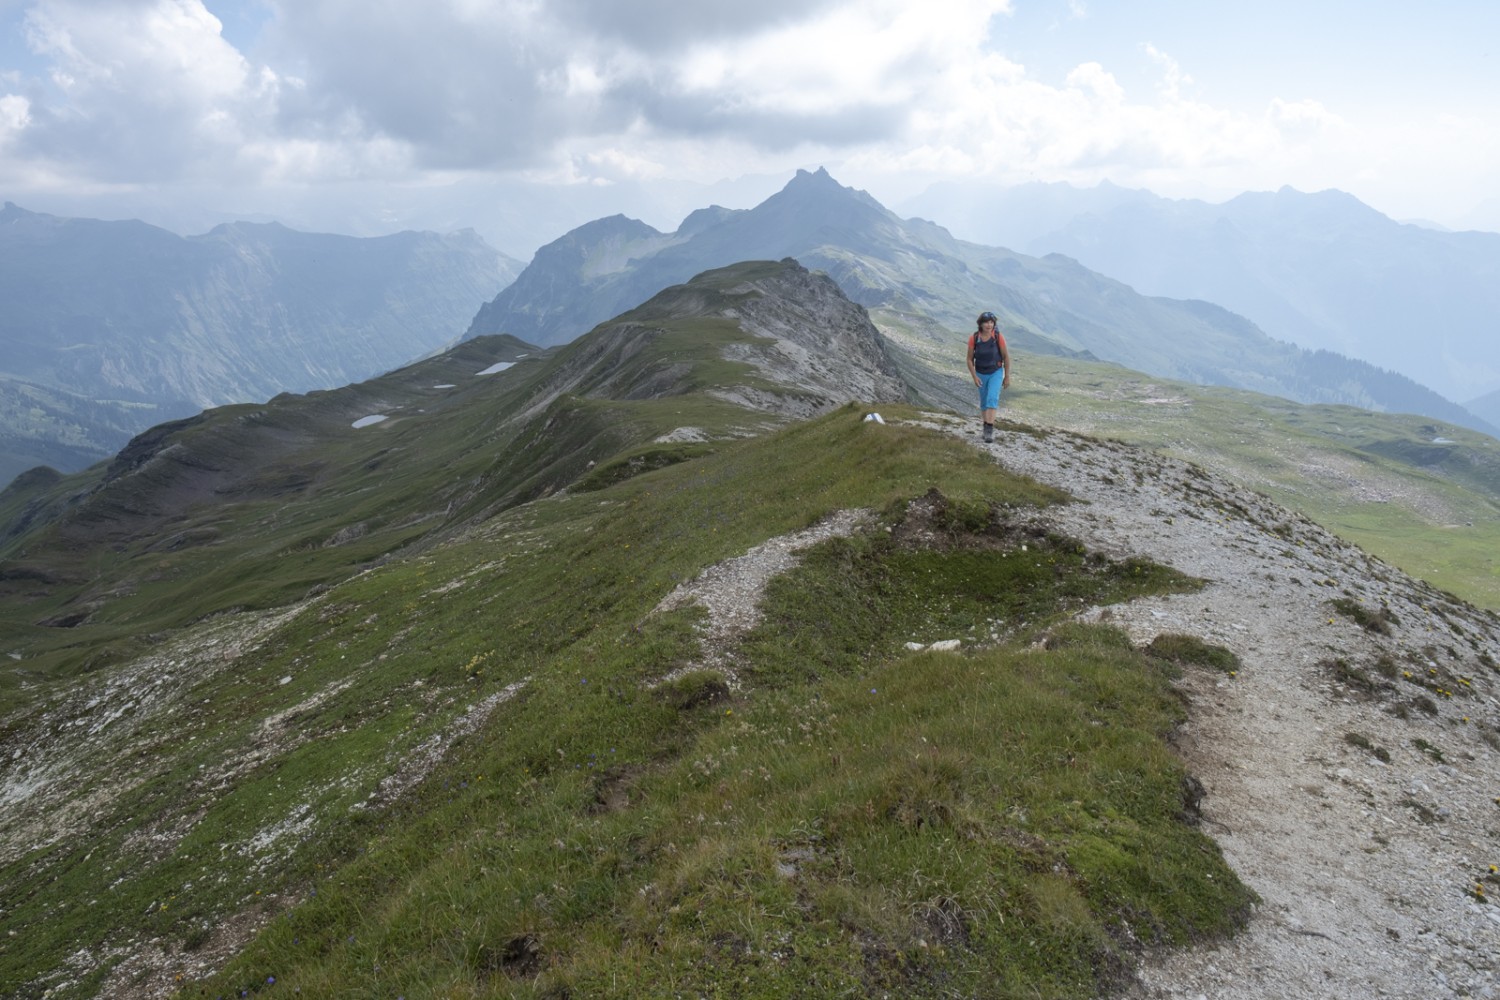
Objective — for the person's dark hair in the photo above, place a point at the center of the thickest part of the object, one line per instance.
(986, 316)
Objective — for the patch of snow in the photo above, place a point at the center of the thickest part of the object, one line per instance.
(683, 434)
(498, 366)
(374, 418)
(446, 385)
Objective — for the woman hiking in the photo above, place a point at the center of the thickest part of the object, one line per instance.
(989, 366)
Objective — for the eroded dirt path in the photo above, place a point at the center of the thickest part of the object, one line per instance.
(1367, 867)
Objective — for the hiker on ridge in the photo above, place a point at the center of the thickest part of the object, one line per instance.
(989, 367)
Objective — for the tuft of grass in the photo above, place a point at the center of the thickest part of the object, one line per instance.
(1187, 650)
(1425, 814)
(1366, 744)
(1433, 753)
(1355, 678)
(867, 596)
(1379, 620)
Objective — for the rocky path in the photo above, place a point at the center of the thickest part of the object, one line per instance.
(1351, 765)
(1352, 775)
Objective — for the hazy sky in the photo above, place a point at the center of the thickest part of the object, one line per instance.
(372, 115)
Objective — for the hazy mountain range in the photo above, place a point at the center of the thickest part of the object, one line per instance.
(911, 268)
(110, 327)
(1322, 270)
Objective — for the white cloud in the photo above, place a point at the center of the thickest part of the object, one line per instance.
(1298, 120)
(136, 88)
(149, 92)
(15, 113)
(1173, 77)
(1094, 78)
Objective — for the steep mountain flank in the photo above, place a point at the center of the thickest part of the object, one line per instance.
(915, 273)
(122, 313)
(746, 347)
(1486, 407)
(547, 297)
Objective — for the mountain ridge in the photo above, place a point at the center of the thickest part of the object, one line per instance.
(736, 337)
(1052, 304)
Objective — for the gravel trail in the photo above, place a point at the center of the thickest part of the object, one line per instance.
(1375, 874)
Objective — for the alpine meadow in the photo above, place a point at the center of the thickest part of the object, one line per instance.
(646, 665)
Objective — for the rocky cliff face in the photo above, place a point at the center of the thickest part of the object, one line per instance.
(821, 342)
(811, 348)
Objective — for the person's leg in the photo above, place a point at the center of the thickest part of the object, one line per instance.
(989, 401)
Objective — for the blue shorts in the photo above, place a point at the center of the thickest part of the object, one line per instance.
(989, 388)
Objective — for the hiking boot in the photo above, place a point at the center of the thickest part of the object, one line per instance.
(989, 433)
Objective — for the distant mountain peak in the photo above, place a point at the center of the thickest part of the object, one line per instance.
(612, 225)
(821, 183)
(821, 194)
(706, 218)
(821, 175)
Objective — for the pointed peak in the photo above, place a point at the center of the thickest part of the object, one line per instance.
(820, 184)
(12, 211)
(820, 178)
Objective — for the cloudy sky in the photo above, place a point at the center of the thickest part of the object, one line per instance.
(523, 118)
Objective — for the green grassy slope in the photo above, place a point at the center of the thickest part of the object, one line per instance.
(297, 707)
(252, 506)
(249, 507)
(1420, 494)
(465, 772)
(292, 706)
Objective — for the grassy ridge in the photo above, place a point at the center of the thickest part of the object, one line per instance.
(855, 816)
